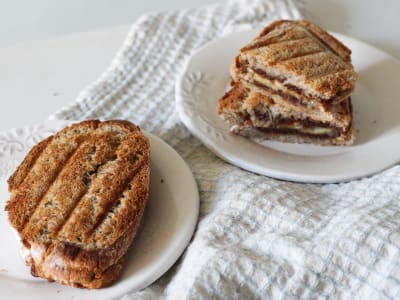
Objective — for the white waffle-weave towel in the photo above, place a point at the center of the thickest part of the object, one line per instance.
(257, 238)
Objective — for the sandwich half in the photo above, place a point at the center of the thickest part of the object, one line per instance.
(295, 80)
(77, 200)
(252, 114)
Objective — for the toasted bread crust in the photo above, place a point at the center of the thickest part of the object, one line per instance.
(77, 200)
(292, 83)
(336, 45)
(243, 106)
(333, 43)
(303, 55)
(19, 175)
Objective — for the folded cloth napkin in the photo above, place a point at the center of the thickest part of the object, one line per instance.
(257, 237)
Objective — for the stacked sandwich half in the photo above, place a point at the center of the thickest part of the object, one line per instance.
(292, 83)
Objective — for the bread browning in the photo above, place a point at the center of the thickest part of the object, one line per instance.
(77, 200)
(242, 100)
(252, 114)
(292, 83)
(298, 54)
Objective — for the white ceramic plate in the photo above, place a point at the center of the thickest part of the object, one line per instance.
(376, 108)
(169, 221)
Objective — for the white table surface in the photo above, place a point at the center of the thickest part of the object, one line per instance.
(39, 77)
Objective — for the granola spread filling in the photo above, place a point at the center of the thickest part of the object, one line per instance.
(293, 93)
(303, 127)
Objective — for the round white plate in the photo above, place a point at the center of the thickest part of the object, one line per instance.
(169, 221)
(376, 111)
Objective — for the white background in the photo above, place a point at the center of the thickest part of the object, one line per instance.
(376, 22)
(23, 20)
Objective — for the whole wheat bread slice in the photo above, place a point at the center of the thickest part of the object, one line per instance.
(299, 61)
(77, 200)
(292, 83)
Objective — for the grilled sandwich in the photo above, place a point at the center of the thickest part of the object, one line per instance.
(77, 200)
(304, 75)
(252, 114)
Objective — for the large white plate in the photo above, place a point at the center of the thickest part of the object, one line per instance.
(169, 222)
(376, 106)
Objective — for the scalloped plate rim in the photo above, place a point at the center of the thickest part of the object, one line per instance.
(232, 156)
(186, 204)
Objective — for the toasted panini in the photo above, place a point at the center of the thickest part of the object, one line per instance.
(251, 113)
(300, 62)
(77, 200)
(292, 83)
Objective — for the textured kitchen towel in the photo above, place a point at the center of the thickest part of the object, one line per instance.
(256, 237)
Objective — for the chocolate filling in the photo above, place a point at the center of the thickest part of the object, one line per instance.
(243, 66)
(264, 74)
(306, 123)
(285, 96)
(296, 89)
(282, 125)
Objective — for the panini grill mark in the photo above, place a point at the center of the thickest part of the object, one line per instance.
(20, 174)
(87, 179)
(343, 52)
(112, 228)
(328, 61)
(66, 190)
(80, 217)
(327, 73)
(299, 56)
(331, 50)
(107, 155)
(41, 177)
(320, 40)
(273, 25)
(290, 34)
(286, 50)
(269, 42)
(140, 161)
(315, 65)
(244, 67)
(104, 192)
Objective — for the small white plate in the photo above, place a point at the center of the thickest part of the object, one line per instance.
(376, 117)
(169, 221)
